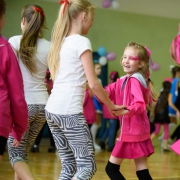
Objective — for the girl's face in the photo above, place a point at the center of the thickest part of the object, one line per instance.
(97, 69)
(87, 23)
(130, 61)
(2, 21)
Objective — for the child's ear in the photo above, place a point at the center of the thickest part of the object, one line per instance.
(23, 21)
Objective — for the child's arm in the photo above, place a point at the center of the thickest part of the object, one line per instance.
(138, 104)
(93, 82)
(16, 94)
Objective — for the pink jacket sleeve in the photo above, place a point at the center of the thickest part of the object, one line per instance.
(16, 94)
(111, 88)
(138, 104)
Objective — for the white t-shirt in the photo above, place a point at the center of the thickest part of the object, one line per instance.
(34, 87)
(69, 85)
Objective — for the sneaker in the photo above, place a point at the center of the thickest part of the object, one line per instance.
(96, 146)
(166, 150)
(102, 145)
(35, 149)
(52, 149)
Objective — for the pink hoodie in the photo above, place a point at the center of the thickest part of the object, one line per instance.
(13, 108)
(135, 125)
(89, 108)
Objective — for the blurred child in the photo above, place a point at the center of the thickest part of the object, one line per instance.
(98, 106)
(161, 114)
(88, 107)
(111, 130)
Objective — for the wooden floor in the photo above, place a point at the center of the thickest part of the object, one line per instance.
(46, 166)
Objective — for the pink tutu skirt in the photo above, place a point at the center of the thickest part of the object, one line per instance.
(133, 150)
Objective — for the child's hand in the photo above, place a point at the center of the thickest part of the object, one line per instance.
(116, 108)
(15, 143)
(120, 112)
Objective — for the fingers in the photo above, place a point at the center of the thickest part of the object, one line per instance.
(120, 112)
(15, 143)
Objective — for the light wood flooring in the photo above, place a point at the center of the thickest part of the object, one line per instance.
(46, 166)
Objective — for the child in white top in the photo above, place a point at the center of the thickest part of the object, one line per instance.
(70, 62)
(32, 50)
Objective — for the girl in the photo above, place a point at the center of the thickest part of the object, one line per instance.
(13, 108)
(98, 106)
(35, 147)
(70, 62)
(32, 50)
(161, 114)
(173, 111)
(133, 91)
(89, 110)
(110, 132)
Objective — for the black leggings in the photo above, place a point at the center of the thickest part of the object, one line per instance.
(176, 133)
(3, 142)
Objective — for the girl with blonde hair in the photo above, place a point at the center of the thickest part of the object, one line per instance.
(70, 62)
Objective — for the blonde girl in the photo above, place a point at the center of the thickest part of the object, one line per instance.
(70, 63)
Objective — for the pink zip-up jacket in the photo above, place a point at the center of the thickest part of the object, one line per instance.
(13, 108)
(89, 108)
(135, 125)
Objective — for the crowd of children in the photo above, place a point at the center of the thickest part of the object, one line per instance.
(71, 98)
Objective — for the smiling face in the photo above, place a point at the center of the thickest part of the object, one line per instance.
(130, 61)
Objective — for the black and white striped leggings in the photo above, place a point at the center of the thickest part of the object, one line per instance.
(74, 145)
(36, 121)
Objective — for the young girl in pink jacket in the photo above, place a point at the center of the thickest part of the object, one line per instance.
(132, 91)
(13, 108)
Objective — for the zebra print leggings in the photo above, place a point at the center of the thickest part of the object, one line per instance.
(74, 145)
(35, 123)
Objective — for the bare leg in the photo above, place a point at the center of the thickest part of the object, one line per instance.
(141, 163)
(165, 144)
(115, 160)
(17, 177)
(23, 171)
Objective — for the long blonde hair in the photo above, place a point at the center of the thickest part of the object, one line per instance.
(144, 59)
(35, 24)
(61, 29)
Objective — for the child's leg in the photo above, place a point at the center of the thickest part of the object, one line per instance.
(18, 156)
(156, 132)
(166, 135)
(112, 133)
(113, 168)
(74, 146)
(3, 142)
(142, 171)
(94, 129)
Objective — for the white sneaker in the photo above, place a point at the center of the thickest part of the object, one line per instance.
(96, 146)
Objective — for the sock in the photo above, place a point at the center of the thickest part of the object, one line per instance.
(94, 129)
(143, 175)
(113, 172)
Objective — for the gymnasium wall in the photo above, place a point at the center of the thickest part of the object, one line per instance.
(113, 30)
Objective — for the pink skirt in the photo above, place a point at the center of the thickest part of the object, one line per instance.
(133, 150)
